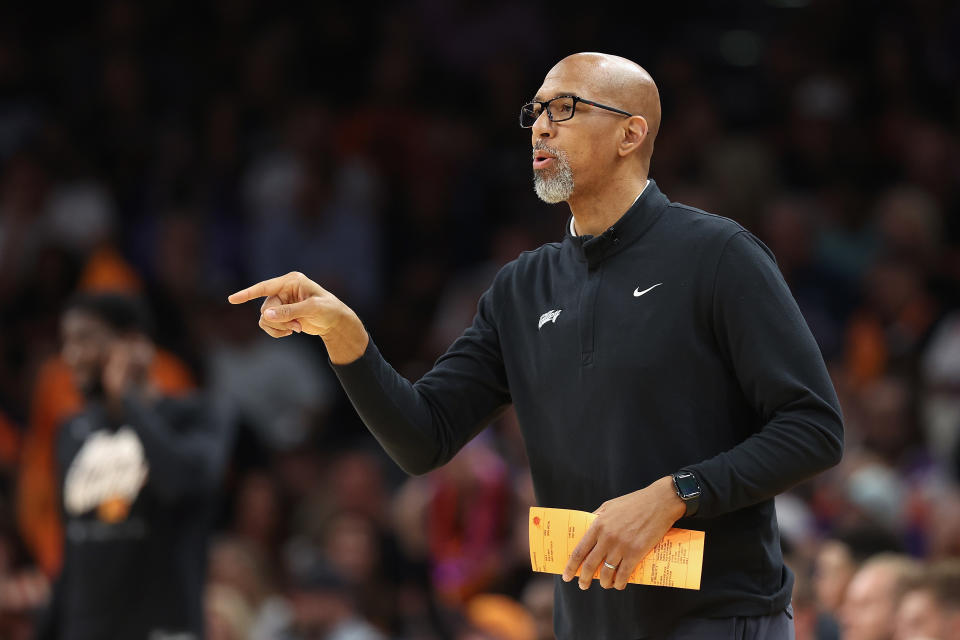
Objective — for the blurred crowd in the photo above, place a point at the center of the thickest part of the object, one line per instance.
(181, 153)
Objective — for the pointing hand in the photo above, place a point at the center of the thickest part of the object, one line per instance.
(295, 303)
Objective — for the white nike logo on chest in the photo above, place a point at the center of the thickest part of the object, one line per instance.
(637, 293)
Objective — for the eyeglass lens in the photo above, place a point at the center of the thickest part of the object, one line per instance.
(558, 109)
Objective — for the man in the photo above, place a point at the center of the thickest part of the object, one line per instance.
(138, 476)
(323, 607)
(930, 607)
(834, 567)
(870, 605)
(659, 367)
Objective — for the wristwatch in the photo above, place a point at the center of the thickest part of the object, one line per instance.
(688, 490)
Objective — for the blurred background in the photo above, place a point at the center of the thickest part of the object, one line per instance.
(181, 153)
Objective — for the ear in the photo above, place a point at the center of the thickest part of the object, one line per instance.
(634, 133)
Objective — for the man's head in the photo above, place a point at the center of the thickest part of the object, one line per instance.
(90, 327)
(930, 607)
(835, 567)
(870, 605)
(578, 157)
(320, 599)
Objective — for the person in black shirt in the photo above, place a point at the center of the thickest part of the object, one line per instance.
(660, 369)
(138, 476)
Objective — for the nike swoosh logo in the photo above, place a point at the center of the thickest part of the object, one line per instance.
(637, 293)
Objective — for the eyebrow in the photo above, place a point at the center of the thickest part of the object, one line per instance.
(537, 97)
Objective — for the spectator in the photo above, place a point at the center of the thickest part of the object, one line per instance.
(323, 608)
(930, 607)
(870, 605)
(138, 474)
(834, 569)
(538, 600)
(498, 617)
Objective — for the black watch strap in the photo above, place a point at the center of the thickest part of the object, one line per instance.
(688, 490)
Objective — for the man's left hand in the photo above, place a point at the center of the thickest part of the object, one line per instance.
(127, 368)
(625, 530)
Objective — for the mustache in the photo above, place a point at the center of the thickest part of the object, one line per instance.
(540, 145)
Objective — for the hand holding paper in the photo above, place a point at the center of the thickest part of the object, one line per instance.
(676, 561)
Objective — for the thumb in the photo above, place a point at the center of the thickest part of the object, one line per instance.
(287, 312)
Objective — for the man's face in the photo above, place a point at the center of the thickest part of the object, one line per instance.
(919, 616)
(834, 569)
(577, 152)
(869, 607)
(86, 343)
(316, 612)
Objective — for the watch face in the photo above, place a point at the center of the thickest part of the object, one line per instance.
(688, 485)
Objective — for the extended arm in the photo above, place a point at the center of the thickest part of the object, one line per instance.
(421, 425)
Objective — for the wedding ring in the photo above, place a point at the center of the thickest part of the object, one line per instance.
(609, 566)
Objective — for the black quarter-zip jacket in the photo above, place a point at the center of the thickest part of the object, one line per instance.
(669, 342)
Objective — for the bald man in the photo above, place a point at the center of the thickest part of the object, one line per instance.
(929, 608)
(660, 369)
(869, 610)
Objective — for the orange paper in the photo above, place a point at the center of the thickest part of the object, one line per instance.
(676, 561)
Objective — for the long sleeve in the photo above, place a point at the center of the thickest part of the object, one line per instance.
(423, 425)
(781, 373)
(186, 447)
(48, 622)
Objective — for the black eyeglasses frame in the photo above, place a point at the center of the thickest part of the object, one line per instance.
(545, 106)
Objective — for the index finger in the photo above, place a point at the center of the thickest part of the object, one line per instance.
(586, 544)
(265, 288)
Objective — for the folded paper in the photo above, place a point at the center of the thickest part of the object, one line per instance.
(676, 561)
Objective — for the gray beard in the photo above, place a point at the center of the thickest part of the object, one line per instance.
(556, 184)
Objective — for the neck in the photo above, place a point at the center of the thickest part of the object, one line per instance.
(594, 213)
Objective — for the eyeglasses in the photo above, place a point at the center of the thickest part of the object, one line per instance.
(558, 109)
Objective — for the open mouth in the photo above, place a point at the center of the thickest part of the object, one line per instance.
(543, 159)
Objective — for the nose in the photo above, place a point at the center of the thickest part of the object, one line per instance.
(542, 127)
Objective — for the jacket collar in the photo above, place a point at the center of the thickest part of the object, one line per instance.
(634, 223)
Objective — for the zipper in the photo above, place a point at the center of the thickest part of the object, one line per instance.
(587, 315)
